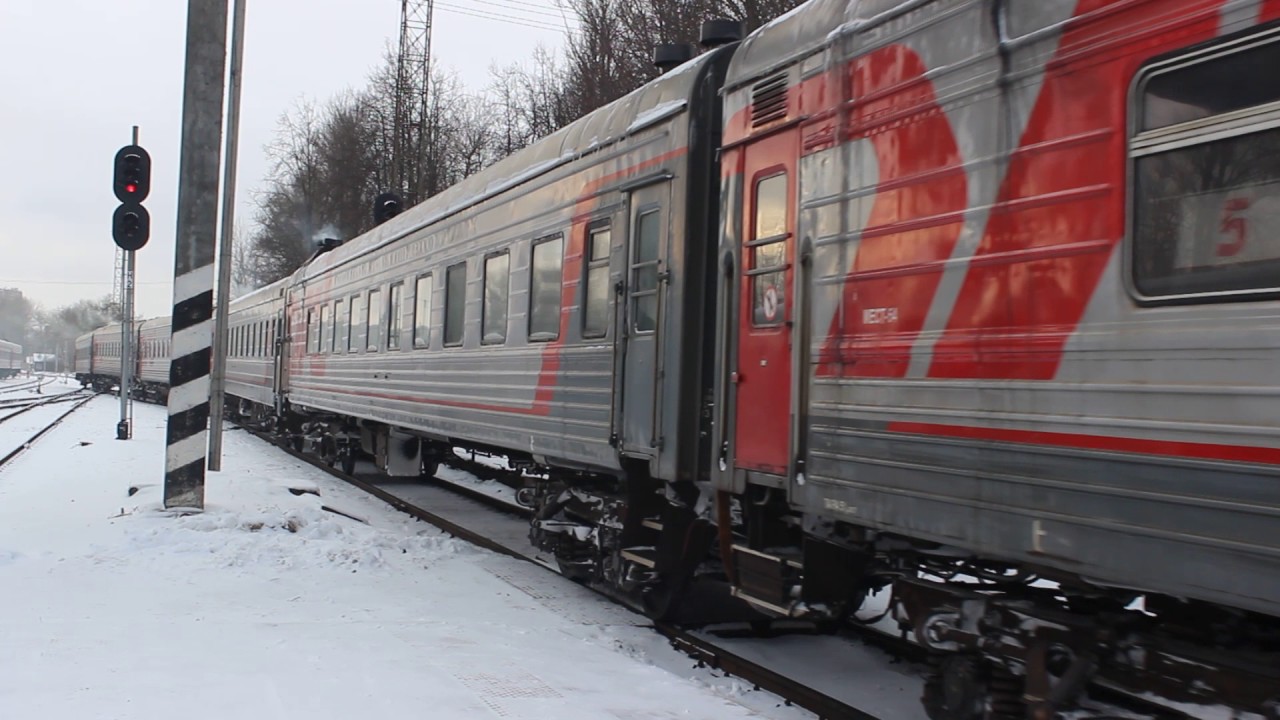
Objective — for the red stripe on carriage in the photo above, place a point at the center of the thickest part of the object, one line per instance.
(1109, 443)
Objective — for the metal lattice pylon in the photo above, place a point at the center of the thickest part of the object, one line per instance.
(117, 284)
(413, 70)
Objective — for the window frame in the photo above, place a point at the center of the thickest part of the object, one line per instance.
(372, 304)
(341, 325)
(484, 298)
(355, 311)
(593, 263)
(633, 295)
(753, 272)
(325, 347)
(417, 306)
(395, 315)
(543, 336)
(462, 318)
(1139, 144)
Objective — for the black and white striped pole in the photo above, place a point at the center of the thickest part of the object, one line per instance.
(190, 352)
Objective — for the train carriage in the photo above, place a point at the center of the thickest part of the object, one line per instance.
(11, 359)
(552, 306)
(151, 374)
(84, 358)
(1004, 293)
(254, 342)
(971, 300)
(106, 344)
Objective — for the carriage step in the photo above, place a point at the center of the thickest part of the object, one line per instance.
(764, 579)
(645, 556)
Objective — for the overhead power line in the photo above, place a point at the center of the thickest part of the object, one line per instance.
(498, 17)
(519, 9)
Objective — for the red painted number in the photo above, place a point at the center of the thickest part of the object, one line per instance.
(1234, 226)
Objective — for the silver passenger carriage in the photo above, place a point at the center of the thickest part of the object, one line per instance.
(553, 307)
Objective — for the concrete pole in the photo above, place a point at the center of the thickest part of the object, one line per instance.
(193, 260)
(218, 390)
(124, 430)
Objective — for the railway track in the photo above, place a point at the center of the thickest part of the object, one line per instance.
(699, 648)
(27, 443)
(24, 385)
(1106, 703)
(18, 407)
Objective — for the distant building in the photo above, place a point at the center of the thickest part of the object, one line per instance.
(43, 362)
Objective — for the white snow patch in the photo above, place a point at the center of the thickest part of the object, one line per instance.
(267, 605)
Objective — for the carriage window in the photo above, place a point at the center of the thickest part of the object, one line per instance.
(374, 341)
(644, 273)
(422, 312)
(326, 330)
(1206, 178)
(313, 337)
(393, 316)
(769, 252)
(595, 317)
(341, 326)
(455, 303)
(545, 282)
(355, 336)
(497, 281)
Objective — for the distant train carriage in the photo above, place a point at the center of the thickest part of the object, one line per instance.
(254, 344)
(106, 345)
(83, 361)
(151, 374)
(11, 359)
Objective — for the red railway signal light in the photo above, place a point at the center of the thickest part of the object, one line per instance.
(132, 174)
(131, 224)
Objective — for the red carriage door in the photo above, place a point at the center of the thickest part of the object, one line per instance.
(763, 427)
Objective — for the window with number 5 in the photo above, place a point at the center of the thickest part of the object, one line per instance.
(1206, 175)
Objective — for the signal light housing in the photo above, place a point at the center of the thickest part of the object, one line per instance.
(131, 224)
(132, 174)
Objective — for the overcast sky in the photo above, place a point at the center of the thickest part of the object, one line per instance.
(76, 75)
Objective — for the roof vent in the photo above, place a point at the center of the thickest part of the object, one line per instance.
(323, 246)
(720, 31)
(671, 55)
(386, 206)
(769, 100)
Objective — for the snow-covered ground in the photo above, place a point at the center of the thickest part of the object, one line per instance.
(268, 605)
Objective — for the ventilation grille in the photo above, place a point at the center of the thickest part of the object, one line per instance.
(769, 100)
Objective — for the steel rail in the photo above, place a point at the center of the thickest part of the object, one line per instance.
(701, 649)
(33, 404)
(32, 440)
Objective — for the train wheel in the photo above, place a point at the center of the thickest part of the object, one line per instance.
(347, 457)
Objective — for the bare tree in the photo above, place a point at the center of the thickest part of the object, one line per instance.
(328, 163)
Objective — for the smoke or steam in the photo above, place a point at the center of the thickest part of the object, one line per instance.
(328, 231)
